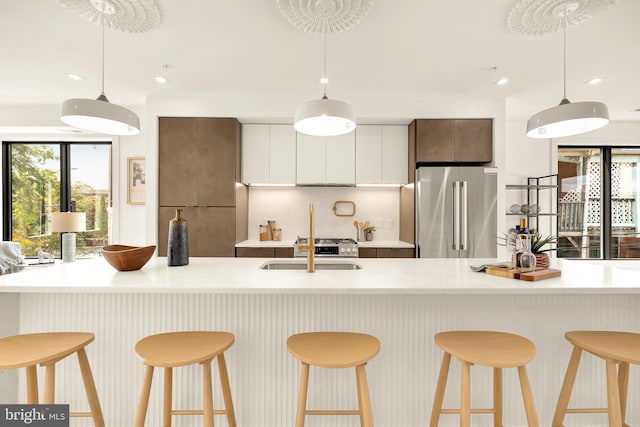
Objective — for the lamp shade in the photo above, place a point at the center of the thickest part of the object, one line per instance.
(63, 222)
(568, 119)
(325, 117)
(100, 116)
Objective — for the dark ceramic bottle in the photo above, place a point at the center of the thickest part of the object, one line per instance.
(178, 248)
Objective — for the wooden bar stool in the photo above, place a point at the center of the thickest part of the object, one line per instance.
(496, 350)
(174, 349)
(46, 349)
(334, 350)
(614, 348)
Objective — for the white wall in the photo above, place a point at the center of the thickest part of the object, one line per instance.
(289, 207)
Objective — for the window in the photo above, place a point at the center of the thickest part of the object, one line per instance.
(598, 202)
(40, 178)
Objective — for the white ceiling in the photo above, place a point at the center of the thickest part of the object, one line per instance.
(404, 49)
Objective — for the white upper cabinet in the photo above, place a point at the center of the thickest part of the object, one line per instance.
(395, 154)
(326, 160)
(382, 154)
(268, 154)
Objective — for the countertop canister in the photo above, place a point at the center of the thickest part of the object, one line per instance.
(178, 247)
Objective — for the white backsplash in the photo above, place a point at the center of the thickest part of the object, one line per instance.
(290, 208)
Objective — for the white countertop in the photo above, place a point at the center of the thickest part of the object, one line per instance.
(289, 244)
(378, 276)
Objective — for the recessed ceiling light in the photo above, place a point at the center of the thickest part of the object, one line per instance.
(324, 80)
(74, 76)
(594, 81)
(501, 82)
(162, 80)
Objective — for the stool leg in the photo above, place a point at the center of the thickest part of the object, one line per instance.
(465, 395)
(623, 385)
(567, 387)
(366, 416)
(167, 405)
(207, 393)
(143, 403)
(90, 388)
(442, 384)
(32, 385)
(497, 397)
(613, 395)
(302, 395)
(527, 397)
(49, 384)
(226, 391)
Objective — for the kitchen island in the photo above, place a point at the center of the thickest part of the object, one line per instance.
(403, 302)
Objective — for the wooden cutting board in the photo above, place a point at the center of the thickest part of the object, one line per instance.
(521, 274)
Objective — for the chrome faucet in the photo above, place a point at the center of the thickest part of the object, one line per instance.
(310, 247)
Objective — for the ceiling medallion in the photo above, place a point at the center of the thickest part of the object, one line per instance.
(538, 17)
(325, 16)
(123, 15)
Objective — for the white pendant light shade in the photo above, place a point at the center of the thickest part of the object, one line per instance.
(324, 117)
(100, 116)
(568, 119)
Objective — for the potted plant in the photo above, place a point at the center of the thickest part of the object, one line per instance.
(368, 232)
(538, 247)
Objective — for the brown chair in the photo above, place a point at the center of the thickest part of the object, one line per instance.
(47, 349)
(334, 350)
(615, 348)
(496, 350)
(174, 349)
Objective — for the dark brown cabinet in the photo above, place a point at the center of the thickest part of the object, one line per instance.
(264, 252)
(386, 253)
(453, 140)
(199, 166)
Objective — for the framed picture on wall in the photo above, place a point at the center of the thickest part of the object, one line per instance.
(136, 178)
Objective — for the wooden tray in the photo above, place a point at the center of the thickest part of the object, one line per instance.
(520, 274)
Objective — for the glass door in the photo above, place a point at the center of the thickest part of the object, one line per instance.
(625, 231)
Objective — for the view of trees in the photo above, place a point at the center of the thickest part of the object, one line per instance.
(35, 193)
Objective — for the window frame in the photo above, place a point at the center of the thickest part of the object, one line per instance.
(65, 177)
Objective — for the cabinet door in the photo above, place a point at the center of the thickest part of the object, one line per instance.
(474, 140)
(369, 160)
(255, 154)
(218, 140)
(395, 152)
(311, 159)
(341, 159)
(282, 154)
(177, 154)
(255, 252)
(214, 232)
(435, 140)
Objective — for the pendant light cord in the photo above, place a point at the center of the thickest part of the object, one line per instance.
(103, 58)
(564, 47)
(325, 79)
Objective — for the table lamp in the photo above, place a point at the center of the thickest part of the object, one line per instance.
(68, 223)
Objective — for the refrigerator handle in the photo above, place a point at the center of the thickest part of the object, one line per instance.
(464, 242)
(456, 216)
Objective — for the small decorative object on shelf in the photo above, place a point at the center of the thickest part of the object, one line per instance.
(178, 248)
(368, 232)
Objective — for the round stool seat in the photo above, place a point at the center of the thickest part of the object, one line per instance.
(175, 349)
(333, 349)
(620, 346)
(487, 348)
(20, 351)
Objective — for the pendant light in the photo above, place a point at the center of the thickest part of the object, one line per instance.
(99, 115)
(568, 118)
(325, 117)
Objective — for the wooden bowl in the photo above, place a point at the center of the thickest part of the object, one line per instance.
(127, 258)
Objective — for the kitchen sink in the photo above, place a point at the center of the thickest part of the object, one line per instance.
(302, 265)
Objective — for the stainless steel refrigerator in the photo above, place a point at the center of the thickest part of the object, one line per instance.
(456, 212)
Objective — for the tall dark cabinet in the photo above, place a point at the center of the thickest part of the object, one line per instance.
(199, 172)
